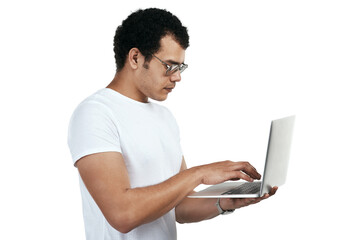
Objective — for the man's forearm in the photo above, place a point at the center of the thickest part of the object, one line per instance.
(149, 203)
(196, 210)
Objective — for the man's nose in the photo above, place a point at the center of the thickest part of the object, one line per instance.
(175, 77)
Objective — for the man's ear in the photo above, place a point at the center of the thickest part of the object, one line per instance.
(133, 58)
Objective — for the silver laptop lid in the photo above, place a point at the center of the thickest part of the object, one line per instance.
(278, 153)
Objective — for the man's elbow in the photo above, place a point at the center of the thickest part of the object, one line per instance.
(123, 227)
(181, 221)
(179, 217)
(124, 222)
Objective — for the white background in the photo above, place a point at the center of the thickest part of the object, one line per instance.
(249, 62)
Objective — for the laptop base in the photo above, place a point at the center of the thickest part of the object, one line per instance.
(228, 190)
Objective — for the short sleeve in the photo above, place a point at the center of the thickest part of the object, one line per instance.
(92, 129)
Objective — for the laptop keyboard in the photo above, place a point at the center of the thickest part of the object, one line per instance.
(245, 188)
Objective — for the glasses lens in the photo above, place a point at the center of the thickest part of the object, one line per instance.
(173, 68)
(182, 67)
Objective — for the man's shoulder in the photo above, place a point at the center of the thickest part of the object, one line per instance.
(95, 104)
(100, 97)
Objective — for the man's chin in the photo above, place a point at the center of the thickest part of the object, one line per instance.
(160, 98)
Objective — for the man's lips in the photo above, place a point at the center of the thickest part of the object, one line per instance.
(169, 89)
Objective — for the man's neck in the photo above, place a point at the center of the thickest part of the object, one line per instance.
(123, 84)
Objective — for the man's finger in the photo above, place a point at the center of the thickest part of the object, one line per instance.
(246, 168)
(241, 175)
(273, 191)
(251, 171)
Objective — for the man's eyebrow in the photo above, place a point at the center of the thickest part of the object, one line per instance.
(172, 62)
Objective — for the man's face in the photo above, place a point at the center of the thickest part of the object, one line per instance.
(152, 81)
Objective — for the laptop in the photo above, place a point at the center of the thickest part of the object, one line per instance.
(275, 170)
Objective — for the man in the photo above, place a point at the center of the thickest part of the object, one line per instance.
(134, 180)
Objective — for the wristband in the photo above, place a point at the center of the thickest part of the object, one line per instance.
(221, 211)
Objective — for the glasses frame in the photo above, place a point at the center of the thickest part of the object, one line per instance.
(171, 69)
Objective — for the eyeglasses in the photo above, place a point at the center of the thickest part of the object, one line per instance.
(170, 69)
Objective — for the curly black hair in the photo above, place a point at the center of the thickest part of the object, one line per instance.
(144, 29)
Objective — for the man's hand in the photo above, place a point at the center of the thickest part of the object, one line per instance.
(234, 203)
(219, 172)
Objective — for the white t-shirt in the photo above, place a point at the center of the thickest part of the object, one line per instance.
(147, 136)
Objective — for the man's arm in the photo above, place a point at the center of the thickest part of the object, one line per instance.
(106, 178)
(199, 209)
